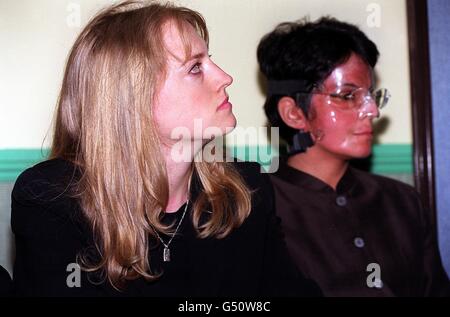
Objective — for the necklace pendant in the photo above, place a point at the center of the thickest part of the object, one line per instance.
(166, 254)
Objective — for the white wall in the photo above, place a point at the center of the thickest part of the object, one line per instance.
(35, 37)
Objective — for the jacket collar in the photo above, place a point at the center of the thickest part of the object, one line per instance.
(346, 184)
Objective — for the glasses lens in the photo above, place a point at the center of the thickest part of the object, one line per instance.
(381, 97)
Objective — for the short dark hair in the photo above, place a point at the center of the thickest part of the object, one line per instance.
(308, 51)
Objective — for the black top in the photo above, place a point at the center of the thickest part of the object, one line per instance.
(334, 236)
(5, 282)
(50, 231)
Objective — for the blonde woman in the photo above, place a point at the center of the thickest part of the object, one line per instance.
(115, 205)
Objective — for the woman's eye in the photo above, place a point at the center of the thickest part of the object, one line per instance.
(195, 69)
(347, 96)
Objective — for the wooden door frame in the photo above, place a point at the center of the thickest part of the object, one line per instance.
(420, 76)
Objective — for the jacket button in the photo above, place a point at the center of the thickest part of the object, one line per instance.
(341, 201)
(358, 242)
(378, 283)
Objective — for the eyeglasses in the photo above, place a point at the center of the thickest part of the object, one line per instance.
(348, 98)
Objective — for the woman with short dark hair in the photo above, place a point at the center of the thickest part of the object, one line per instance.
(355, 233)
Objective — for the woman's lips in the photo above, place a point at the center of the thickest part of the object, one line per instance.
(224, 105)
(366, 133)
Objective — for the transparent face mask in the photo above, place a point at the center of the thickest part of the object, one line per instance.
(366, 103)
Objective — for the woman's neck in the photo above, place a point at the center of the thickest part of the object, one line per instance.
(179, 169)
(327, 168)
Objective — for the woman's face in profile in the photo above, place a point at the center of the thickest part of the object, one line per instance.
(192, 103)
(339, 131)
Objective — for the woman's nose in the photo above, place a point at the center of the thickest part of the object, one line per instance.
(224, 79)
(369, 108)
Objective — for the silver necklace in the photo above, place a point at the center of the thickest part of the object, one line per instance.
(166, 252)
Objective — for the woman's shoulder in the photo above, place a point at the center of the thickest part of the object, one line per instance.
(44, 181)
(260, 185)
(384, 183)
(42, 201)
(252, 172)
(393, 192)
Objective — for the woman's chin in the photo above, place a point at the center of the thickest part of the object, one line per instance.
(362, 152)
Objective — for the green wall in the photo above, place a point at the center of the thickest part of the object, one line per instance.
(386, 159)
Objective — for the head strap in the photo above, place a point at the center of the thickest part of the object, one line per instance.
(286, 87)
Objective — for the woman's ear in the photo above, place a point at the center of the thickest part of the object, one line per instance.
(292, 115)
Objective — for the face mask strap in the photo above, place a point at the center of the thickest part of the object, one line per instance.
(301, 141)
(290, 88)
(286, 87)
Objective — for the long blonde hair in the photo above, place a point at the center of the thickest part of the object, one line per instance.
(104, 126)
